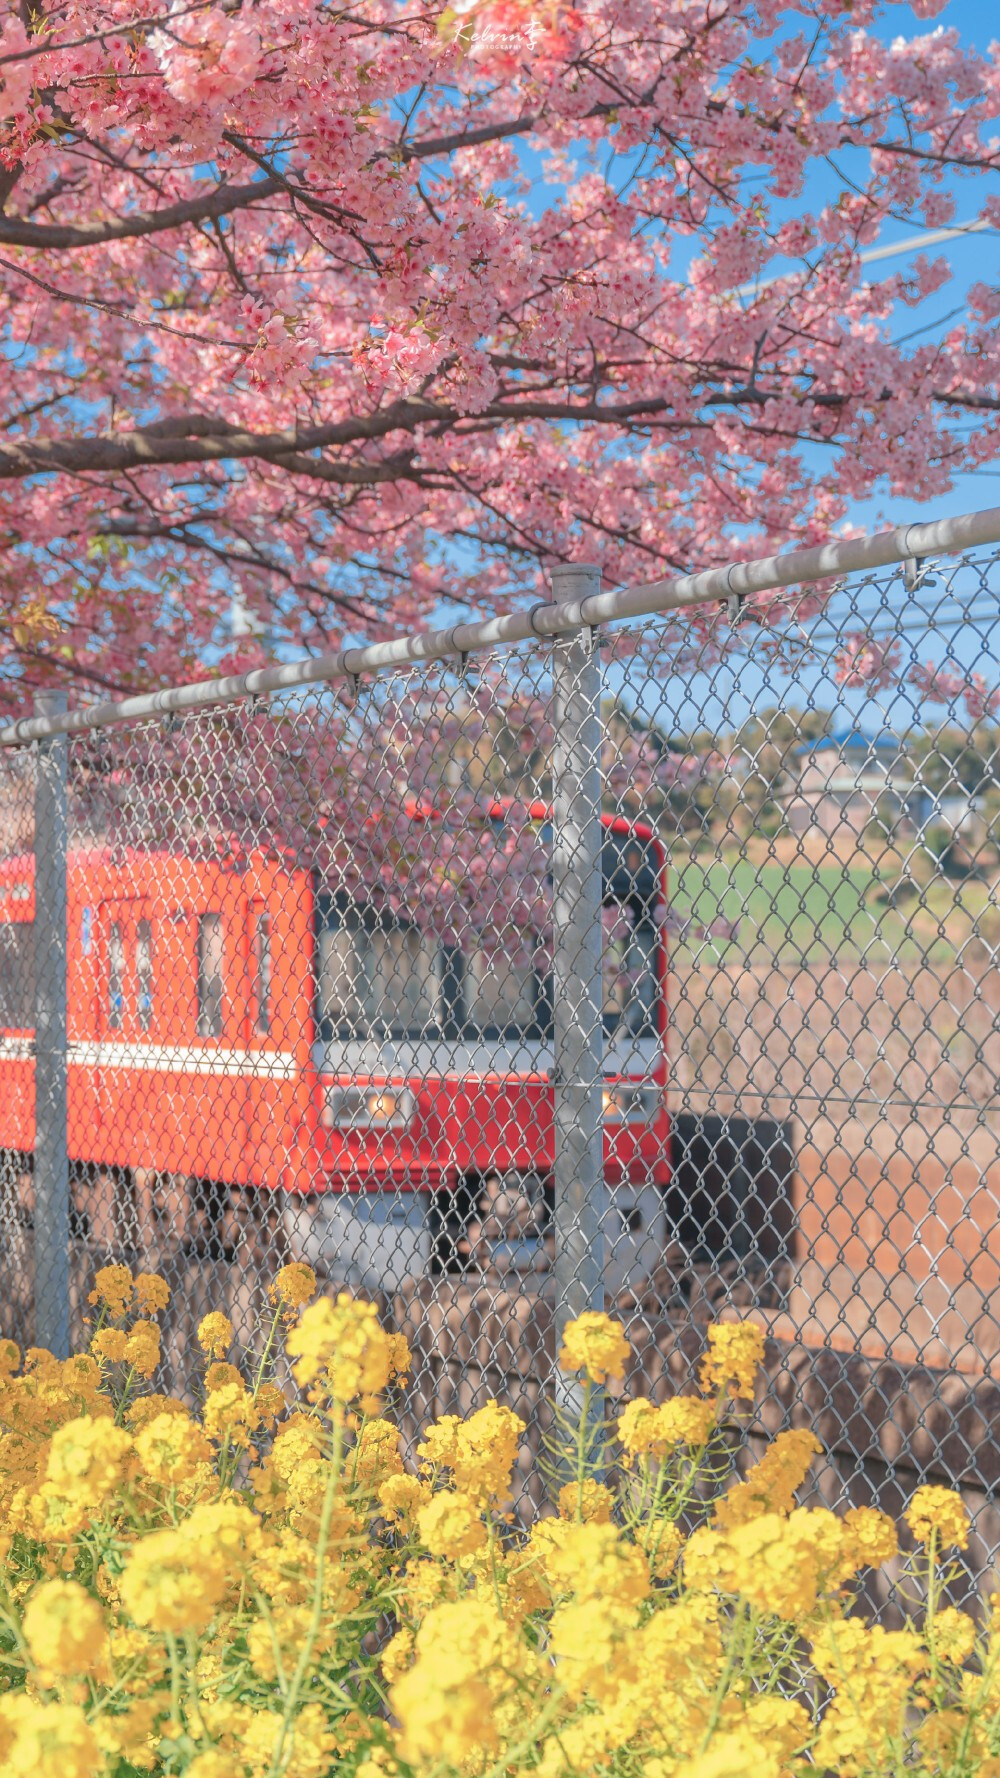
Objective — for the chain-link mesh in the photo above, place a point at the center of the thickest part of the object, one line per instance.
(655, 969)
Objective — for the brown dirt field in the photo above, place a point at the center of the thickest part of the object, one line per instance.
(888, 1081)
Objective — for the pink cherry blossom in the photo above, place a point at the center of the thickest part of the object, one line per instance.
(206, 54)
(868, 661)
(980, 702)
(938, 685)
(365, 318)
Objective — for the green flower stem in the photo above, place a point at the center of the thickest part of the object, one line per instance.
(316, 1615)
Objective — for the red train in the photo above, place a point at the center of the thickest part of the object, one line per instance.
(234, 1025)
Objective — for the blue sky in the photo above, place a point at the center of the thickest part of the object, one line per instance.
(946, 626)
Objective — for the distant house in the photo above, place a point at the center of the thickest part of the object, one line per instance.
(844, 779)
(953, 808)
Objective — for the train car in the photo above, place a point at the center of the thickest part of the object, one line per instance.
(237, 1028)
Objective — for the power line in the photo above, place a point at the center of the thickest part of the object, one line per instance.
(932, 238)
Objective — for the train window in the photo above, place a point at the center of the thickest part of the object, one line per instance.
(116, 977)
(262, 972)
(17, 975)
(500, 994)
(404, 974)
(341, 968)
(630, 995)
(381, 978)
(210, 976)
(144, 973)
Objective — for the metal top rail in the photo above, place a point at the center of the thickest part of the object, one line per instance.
(566, 612)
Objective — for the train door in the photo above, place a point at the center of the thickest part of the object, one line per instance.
(172, 1027)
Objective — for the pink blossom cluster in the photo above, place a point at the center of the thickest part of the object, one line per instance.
(279, 356)
(949, 684)
(382, 311)
(382, 800)
(868, 661)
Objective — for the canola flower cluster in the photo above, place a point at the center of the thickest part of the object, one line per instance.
(258, 1587)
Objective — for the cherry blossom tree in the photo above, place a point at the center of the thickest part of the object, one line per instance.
(332, 320)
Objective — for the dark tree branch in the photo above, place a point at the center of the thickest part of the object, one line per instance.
(14, 232)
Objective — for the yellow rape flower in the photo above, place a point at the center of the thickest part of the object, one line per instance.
(169, 1447)
(148, 1407)
(771, 1483)
(88, 1458)
(869, 1538)
(954, 1635)
(211, 1764)
(782, 1726)
(299, 1441)
(113, 1288)
(735, 1354)
(596, 1345)
(397, 1656)
(64, 1629)
(308, 1750)
(142, 1348)
(780, 1565)
(294, 1285)
(939, 1513)
(587, 1502)
(215, 1334)
(650, 1430)
(480, 1451)
(152, 1293)
(132, 1734)
(737, 1755)
(596, 1562)
(400, 1358)
(170, 1582)
(468, 1663)
(230, 1413)
(450, 1526)
(400, 1498)
(585, 1639)
(225, 1526)
(109, 1345)
(47, 1740)
(870, 1671)
(221, 1375)
(376, 1453)
(271, 1404)
(342, 1347)
(664, 1547)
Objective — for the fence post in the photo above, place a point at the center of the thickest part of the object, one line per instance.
(51, 1143)
(578, 1071)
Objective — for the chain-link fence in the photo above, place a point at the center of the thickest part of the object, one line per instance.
(649, 965)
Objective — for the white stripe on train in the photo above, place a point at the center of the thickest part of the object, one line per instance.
(162, 1058)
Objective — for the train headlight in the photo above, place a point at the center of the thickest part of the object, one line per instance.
(368, 1108)
(631, 1102)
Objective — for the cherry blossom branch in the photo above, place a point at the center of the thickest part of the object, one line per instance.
(60, 236)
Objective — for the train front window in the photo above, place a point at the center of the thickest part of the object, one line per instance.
(405, 975)
(376, 976)
(385, 976)
(629, 972)
(500, 994)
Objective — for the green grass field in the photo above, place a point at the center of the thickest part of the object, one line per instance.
(801, 911)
